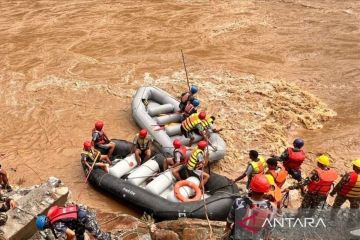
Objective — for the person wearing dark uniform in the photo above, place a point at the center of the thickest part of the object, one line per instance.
(187, 96)
(179, 155)
(348, 189)
(142, 146)
(72, 221)
(255, 166)
(292, 159)
(6, 203)
(318, 184)
(245, 207)
(92, 157)
(100, 139)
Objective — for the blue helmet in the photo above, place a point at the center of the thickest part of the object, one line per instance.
(298, 143)
(196, 102)
(41, 222)
(194, 89)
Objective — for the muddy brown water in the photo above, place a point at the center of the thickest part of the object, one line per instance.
(65, 64)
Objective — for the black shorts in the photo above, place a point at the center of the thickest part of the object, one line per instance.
(185, 173)
(190, 133)
(295, 174)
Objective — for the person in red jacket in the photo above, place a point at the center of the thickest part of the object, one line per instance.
(293, 158)
(100, 139)
(318, 184)
(179, 155)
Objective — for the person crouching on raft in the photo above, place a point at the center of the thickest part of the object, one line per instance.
(192, 125)
(142, 146)
(89, 156)
(100, 139)
(187, 96)
(190, 108)
(193, 165)
(179, 155)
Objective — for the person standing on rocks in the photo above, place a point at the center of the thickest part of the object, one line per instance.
(255, 166)
(249, 216)
(5, 204)
(318, 184)
(100, 139)
(347, 189)
(187, 96)
(72, 221)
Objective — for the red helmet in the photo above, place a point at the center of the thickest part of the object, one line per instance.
(143, 133)
(202, 145)
(177, 143)
(99, 125)
(202, 115)
(259, 183)
(87, 145)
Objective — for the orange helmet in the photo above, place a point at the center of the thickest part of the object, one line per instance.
(99, 125)
(260, 184)
(202, 115)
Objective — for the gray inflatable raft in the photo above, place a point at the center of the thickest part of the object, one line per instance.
(157, 111)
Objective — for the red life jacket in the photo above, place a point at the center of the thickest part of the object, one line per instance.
(323, 185)
(295, 159)
(56, 213)
(351, 188)
(189, 109)
(182, 150)
(101, 139)
(185, 97)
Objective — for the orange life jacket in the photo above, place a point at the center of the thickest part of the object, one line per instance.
(189, 109)
(323, 185)
(279, 176)
(351, 188)
(56, 213)
(182, 150)
(295, 159)
(190, 123)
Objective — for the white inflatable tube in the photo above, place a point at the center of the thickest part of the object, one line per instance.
(173, 129)
(124, 166)
(140, 174)
(170, 118)
(161, 109)
(161, 183)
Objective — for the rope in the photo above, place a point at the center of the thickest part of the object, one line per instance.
(87, 177)
(205, 205)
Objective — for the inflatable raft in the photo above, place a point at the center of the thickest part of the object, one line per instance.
(150, 189)
(158, 112)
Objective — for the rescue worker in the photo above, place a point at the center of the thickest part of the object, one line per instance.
(4, 181)
(142, 146)
(194, 164)
(179, 155)
(6, 203)
(89, 156)
(293, 158)
(192, 125)
(347, 189)
(245, 207)
(72, 221)
(276, 176)
(187, 96)
(100, 139)
(190, 108)
(318, 184)
(255, 166)
(208, 126)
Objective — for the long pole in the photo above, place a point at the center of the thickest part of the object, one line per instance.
(187, 78)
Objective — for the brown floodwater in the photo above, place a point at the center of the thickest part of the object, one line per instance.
(65, 64)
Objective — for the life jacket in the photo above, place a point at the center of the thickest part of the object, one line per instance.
(258, 166)
(193, 160)
(142, 143)
(206, 123)
(295, 159)
(279, 176)
(90, 156)
(351, 188)
(189, 109)
(323, 185)
(275, 192)
(185, 97)
(257, 215)
(182, 150)
(56, 213)
(189, 123)
(101, 139)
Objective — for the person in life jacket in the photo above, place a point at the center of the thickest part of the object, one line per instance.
(187, 96)
(179, 155)
(292, 159)
(6, 203)
(255, 166)
(72, 221)
(4, 181)
(192, 125)
(194, 165)
(90, 157)
(348, 188)
(190, 108)
(142, 146)
(318, 184)
(249, 216)
(100, 139)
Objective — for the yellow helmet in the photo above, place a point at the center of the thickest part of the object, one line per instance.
(324, 160)
(270, 179)
(356, 162)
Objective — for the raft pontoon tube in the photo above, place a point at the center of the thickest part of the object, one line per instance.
(153, 107)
